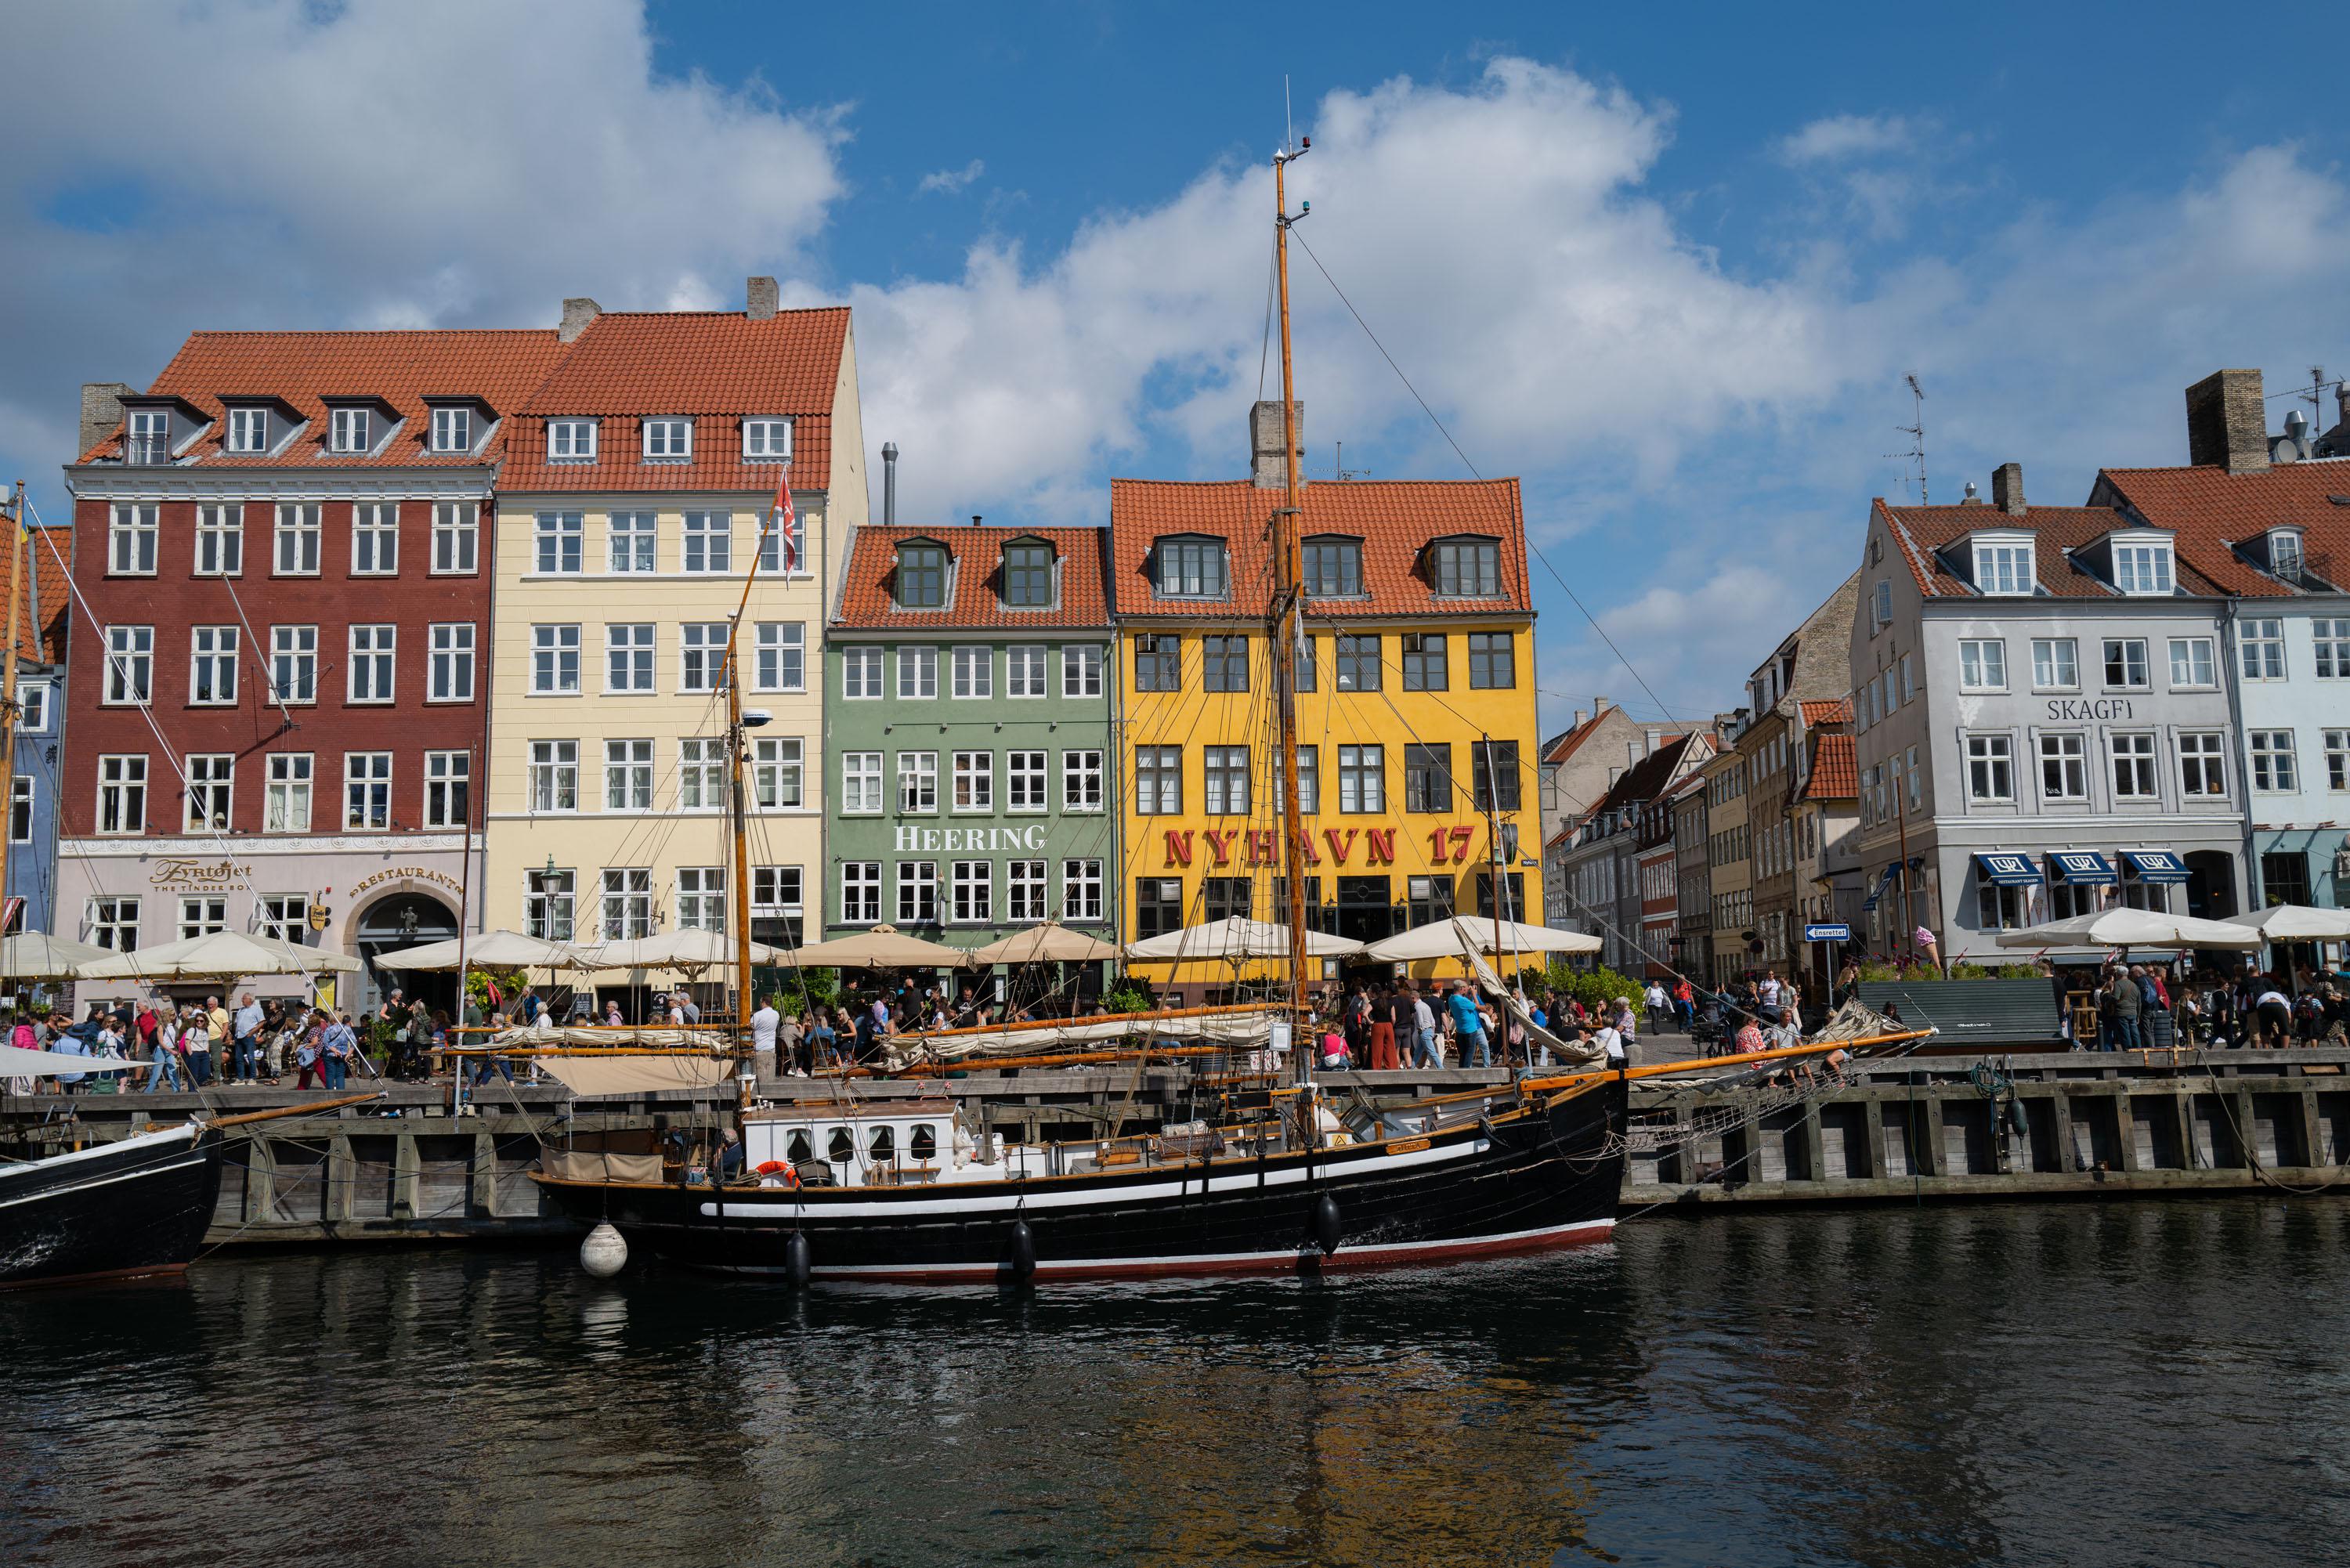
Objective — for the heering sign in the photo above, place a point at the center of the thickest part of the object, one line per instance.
(971, 840)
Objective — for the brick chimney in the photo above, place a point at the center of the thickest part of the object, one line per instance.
(101, 411)
(2227, 424)
(760, 299)
(2007, 489)
(1268, 465)
(576, 314)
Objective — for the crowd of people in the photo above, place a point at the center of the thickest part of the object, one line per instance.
(2262, 1010)
(190, 1044)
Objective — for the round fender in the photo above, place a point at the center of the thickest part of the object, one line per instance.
(1024, 1251)
(605, 1252)
(795, 1259)
(1326, 1226)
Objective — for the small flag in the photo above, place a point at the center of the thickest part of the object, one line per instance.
(783, 508)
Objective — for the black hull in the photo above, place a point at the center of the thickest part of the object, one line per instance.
(119, 1211)
(1521, 1182)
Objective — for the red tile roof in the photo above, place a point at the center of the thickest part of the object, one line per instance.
(978, 553)
(1566, 744)
(302, 368)
(41, 630)
(715, 366)
(2211, 510)
(1835, 710)
(1395, 520)
(1836, 769)
(1920, 532)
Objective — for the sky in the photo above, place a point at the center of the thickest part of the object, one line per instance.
(1669, 268)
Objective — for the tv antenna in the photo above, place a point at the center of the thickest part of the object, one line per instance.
(1915, 432)
(1339, 471)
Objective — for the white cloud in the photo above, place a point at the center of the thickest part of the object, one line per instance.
(952, 181)
(1840, 138)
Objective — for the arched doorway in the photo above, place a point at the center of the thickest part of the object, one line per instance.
(402, 921)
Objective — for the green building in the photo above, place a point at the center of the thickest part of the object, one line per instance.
(967, 728)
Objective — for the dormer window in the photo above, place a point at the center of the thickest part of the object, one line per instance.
(766, 441)
(1028, 576)
(921, 576)
(669, 441)
(2284, 553)
(248, 430)
(147, 436)
(2142, 568)
(452, 428)
(2003, 567)
(571, 440)
(347, 430)
(1466, 569)
(1334, 568)
(1190, 567)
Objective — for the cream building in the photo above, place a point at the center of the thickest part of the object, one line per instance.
(629, 511)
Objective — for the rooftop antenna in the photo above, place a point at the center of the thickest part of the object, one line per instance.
(1915, 432)
(1339, 470)
(2315, 398)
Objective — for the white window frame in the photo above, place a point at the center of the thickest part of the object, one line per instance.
(918, 667)
(452, 428)
(133, 538)
(860, 892)
(202, 915)
(707, 547)
(2004, 568)
(624, 909)
(665, 438)
(701, 655)
(974, 672)
(365, 775)
(298, 540)
(2068, 752)
(111, 924)
(632, 542)
(918, 892)
(449, 672)
(628, 774)
(2275, 767)
(220, 539)
(1081, 669)
(2145, 670)
(2134, 767)
(375, 538)
(448, 789)
(778, 772)
(554, 778)
(2144, 569)
(33, 708)
(1083, 782)
(1982, 664)
(2055, 663)
(1081, 889)
(633, 648)
(780, 656)
(1025, 667)
(349, 432)
(701, 773)
(1987, 756)
(974, 784)
(701, 898)
(861, 793)
(209, 797)
(1027, 891)
(287, 644)
(2202, 760)
(559, 543)
(130, 665)
(286, 796)
(2337, 759)
(456, 538)
(373, 652)
(571, 440)
(554, 655)
(973, 890)
(249, 430)
(1027, 782)
(861, 675)
(766, 439)
(2199, 658)
(918, 784)
(123, 777)
(2261, 649)
(550, 904)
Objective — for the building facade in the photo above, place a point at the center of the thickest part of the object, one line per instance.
(1621, 853)
(41, 641)
(1416, 715)
(637, 495)
(1812, 664)
(1693, 875)
(1823, 812)
(970, 674)
(1729, 873)
(1578, 765)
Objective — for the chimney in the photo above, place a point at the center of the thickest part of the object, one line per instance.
(1268, 456)
(1580, 715)
(1598, 706)
(889, 484)
(576, 314)
(101, 411)
(2227, 424)
(2007, 489)
(760, 299)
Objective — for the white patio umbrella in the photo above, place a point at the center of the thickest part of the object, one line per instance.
(1237, 938)
(2296, 923)
(1051, 942)
(690, 950)
(15, 1063)
(491, 950)
(222, 955)
(2128, 928)
(883, 947)
(37, 955)
(1462, 933)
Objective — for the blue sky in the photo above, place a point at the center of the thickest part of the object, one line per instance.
(1668, 267)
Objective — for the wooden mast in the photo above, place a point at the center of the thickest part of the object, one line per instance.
(8, 686)
(736, 745)
(1289, 610)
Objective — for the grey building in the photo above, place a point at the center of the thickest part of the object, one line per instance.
(1600, 867)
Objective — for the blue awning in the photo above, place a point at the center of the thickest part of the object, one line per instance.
(2156, 864)
(2003, 870)
(1876, 891)
(2081, 867)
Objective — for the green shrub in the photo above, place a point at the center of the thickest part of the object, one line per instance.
(1591, 987)
(1131, 994)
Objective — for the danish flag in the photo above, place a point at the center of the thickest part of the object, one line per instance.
(783, 508)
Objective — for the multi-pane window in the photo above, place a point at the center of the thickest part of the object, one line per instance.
(1492, 660)
(548, 904)
(776, 533)
(1158, 781)
(448, 789)
(631, 540)
(918, 892)
(921, 576)
(974, 891)
(1423, 661)
(1309, 783)
(667, 440)
(131, 534)
(32, 707)
(2004, 568)
(571, 440)
(918, 672)
(1024, 670)
(453, 429)
(348, 430)
(202, 915)
(1225, 898)
(122, 793)
(1027, 576)
(2261, 645)
(974, 780)
(1158, 906)
(554, 660)
(147, 436)
(1494, 765)
(450, 674)
(1191, 569)
(2125, 668)
(285, 802)
(554, 775)
(2000, 909)
(1468, 568)
(2134, 776)
(775, 771)
(974, 672)
(1303, 664)
(766, 440)
(1982, 664)
(366, 790)
(111, 924)
(1081, 889)
(1334, 567)
(1224, 780)
(2142, 568)
(371, 656)
(2191, 663)
(860, 674)
(701, 655)
(1024, 891)
(1024, 781)
(294, 663)
(1358, 658)
(627, 903)
(286, 917)
(2337, 759)
(628, 657)
(211, 779)
(129, 663)
(782, 655)
(860, 784)
(1991, 768)
(629, 775)
(708, 542)
(211, 665)
(1430, 898)
(701, 897)
(298, 539)
(2064, 768)
(917, 781)
(1223, 663)
(860, 892)
(375, 539)
(220, 539)
(557, 541)
(1159, 663)
(1081, 781)
(2273, 760)
(701, 773)
(2055, 664)
(2202, 765)
(1362, 779)
(20, 809)
(248, 430)
(456, 537)
(1427, 778)
(2333, 637)
(1081, 669)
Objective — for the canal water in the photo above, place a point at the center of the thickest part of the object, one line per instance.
(2149, 1383)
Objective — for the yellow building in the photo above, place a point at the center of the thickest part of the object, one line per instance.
(631, 509)
(1416, 712)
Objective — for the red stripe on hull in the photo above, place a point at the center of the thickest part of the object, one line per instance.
(148, 1271)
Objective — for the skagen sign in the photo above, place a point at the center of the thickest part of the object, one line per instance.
(969, 840)
(2068, 708)
(204, 874)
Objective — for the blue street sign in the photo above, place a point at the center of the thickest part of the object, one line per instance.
(1837, 932)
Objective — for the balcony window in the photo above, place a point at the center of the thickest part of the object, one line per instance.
(147, 436)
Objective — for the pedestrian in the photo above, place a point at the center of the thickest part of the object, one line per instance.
(2274, 1012)
(1381, 1012)
(2128, 1003)
(196, 1045)
(1425, 1051)
(1655, 998)
(1685, 1005)
(246, 1028)
(1624, 1023)
(338, 1042)
(612, 1019)
(765, 1026)
(1472, 1047)
(168, 1065)
(823, 1044)
(307, 1055)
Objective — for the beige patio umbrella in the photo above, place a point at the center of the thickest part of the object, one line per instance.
(883, 947)
(1237, 938)
(491, 950)
(1463, 933)
(220, 955)
(2296, 923)
(1051, 942)
(2123, 926)
(37, 955)
(689, 951)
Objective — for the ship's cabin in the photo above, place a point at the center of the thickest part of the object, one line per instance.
(890, 1143)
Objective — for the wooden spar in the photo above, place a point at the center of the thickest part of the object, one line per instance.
(1066, 1059)
(242, 1117)
(1701, 1063)
(8, 681)
(1289, 607)
(735, 747)
(1225, 1010)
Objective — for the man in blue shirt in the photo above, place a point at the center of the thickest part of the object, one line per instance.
(339, 1041)
(1467, 1030)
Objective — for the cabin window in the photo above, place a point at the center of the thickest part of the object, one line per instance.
(884, 1145)
(799, 1148)
(841, 1147)
(924, 1144)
